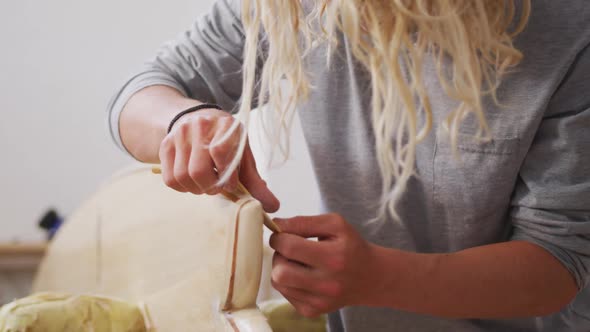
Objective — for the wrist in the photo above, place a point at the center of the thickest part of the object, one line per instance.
(379, 279)
(397, 276)
(191, 110)
(168, 109)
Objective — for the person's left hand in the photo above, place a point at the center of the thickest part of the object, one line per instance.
(321, 276)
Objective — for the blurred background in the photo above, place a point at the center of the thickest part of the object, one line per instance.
(61, 61)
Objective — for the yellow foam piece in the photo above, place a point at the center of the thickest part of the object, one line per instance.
(55, 312)
(282, 317)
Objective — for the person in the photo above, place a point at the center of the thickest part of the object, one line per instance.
(451, 143)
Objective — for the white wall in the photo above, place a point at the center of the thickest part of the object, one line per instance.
(59, 64)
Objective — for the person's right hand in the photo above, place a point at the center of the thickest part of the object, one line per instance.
(189, 164)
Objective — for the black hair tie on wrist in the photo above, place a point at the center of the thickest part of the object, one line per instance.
(191, 110)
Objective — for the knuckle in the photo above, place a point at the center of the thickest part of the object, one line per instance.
(286, 248)
(275, 260)
(197, 173)
(170, 182)
(182, 130)
(274, 284)
(166, 148)
(174, 186)
(182, 176)
(202, 123)
(167, 143)
(279, 275)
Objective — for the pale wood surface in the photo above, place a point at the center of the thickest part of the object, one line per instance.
(21, 257)
(140, 241)
(22, 248)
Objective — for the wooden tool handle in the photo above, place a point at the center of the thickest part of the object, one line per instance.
(234, 197)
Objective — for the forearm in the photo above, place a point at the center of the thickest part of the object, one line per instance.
(511, 279)
(146, 117)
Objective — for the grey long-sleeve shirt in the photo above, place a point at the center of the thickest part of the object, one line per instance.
(531, 182)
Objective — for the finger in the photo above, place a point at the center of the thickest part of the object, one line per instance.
(294, 275)
(254, 183)
(201, 167)
(202, 170)
(327, 225)
(303, 308)
(181, 164)
(289, 291)
(167, 154)
(305, 303)
(289, 273)
(222, 152)
(299, 249)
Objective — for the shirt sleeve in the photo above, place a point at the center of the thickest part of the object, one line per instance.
(551, 204)
(203, 63)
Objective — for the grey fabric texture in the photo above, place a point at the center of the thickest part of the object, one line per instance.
(531, 182)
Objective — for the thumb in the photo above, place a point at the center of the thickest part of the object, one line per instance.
(322, 226)
(251, 179)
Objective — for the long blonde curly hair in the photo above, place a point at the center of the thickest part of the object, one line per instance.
(390, 38)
